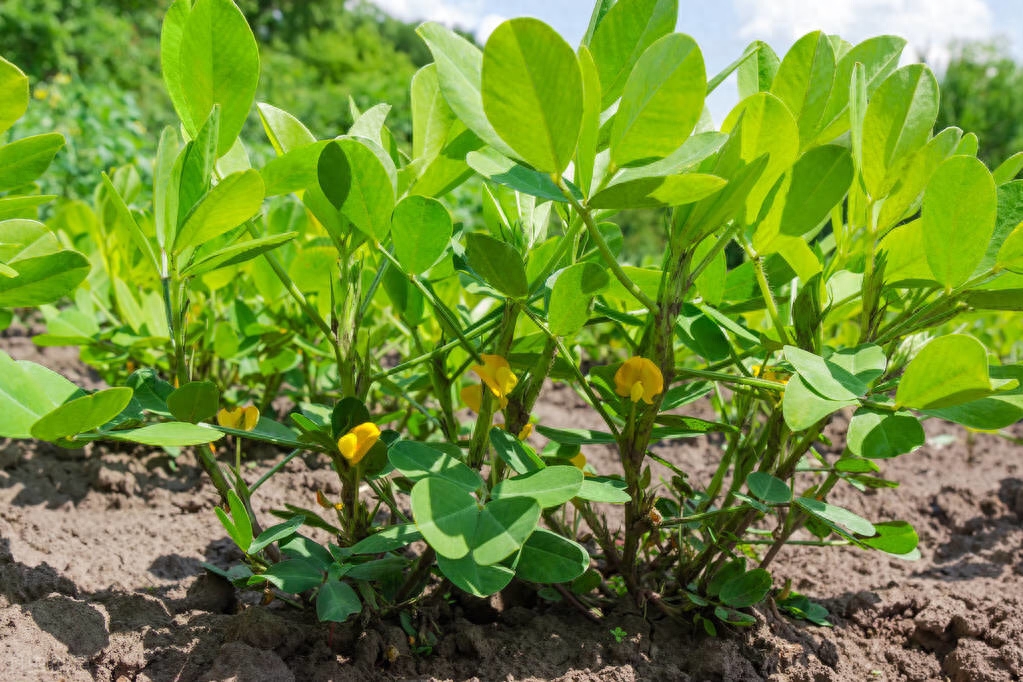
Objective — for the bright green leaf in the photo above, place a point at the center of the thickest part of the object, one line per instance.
(661, 102)
(959, 210)
(422, 231)
(446, 515)
(533, 93)
(82, 414)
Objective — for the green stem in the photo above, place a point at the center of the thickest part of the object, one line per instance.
(444, 315)
(605, 251)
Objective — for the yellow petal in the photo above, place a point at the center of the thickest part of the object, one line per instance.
(526, 430)
(230, 419)
(497, 375)
(356, 443)
(250, 417)
(639, 379)
(579, 461)
(472, 396)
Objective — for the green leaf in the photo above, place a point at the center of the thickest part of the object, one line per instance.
(623, 35)
(802, 407)
(293, 171)
(768, 488)
(747, 589)
(388, 540)
(43, 279)
(22, 207)
(446, 515)
(761, 124)
(550, 487)
(137, 235)
(237, 253)
(504, 524)
(959, 211)
(23, 161)
(658, 192)
(168, 434)
(422, 232)
(576, 436)
(468, 576)
(285, 132)
(418, 461)
(828, 379)
(532, 92)
(897, 122)
(358, 185)
(497, 263)
(502, 170)
(1008, 169)
(13, 94)
(547, 558)
(292, 576)
(27, 393)
(820, 180)
(878, 57)
(837, 517)
(230, 203)
(804, 81)
(661, 102)
(519, 457)
(242, 525)
(275, 533)
(611, 491)
(336, 602)
(209, 56)
(879, 435)
(757, 73)
(459, 66)
(572, 295)
(81, 414)
(194, 401)
(894, 537)
(998, 411)
(911, 178)
(948, 371)
(1010, 256)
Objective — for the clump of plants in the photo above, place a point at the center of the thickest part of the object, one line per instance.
(336, 277)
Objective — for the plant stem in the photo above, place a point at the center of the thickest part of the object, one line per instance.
(605, 251)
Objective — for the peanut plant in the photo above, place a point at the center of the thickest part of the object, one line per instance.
(821, 245)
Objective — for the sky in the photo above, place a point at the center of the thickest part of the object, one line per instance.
(724, 27)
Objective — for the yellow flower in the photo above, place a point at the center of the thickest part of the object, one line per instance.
(639, 379)
(41, 93)
(497, 375)
(356, 443)
(472, 396)
(241, 418)
(770, 373)
(526, 431)
(579, 461)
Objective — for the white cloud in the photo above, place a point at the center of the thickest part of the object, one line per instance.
(465, 14)
(929, 25)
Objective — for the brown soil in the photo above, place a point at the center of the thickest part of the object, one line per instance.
(100, 578)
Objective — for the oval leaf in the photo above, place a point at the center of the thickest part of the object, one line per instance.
(549, 558)
(422, 231)
(532, 92)
(947, 371)
(550, 487)
(446, 515)
(82, 414)
(959, 211)
(661, 103)
(497, 263)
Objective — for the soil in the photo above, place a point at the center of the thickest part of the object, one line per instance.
(100, 578)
